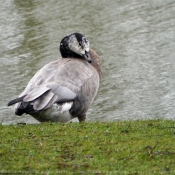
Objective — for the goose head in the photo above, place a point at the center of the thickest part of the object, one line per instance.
(75, 46)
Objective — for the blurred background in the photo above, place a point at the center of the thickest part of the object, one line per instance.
(135, 40)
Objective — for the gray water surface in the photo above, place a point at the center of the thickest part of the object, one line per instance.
(135, 40)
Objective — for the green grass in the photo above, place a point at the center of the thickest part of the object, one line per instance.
(125, 147)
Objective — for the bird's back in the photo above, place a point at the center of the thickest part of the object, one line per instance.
(76, 77)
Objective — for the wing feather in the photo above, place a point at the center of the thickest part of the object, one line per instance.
(43, 100)
(35, 93)
(57, 82)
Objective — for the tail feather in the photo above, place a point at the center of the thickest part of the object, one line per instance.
(24, 107)
(16, 100)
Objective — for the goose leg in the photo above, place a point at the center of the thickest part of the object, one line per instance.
(82, 118)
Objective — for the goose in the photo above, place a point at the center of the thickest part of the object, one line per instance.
(65, 88)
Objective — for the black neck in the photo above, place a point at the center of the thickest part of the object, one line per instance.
(65, 51)
(69, 54)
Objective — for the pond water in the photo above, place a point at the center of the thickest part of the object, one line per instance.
(135, 40)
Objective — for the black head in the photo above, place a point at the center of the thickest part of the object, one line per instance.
(75, 46)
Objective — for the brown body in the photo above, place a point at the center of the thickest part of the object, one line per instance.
(71, 80)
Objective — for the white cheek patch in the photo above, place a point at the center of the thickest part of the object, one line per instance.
(85, 46)
(87, 49)
(82, 52)
(74, 45)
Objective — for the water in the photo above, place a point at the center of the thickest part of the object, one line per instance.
(135, 40)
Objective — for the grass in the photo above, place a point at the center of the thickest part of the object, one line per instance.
(125, 147)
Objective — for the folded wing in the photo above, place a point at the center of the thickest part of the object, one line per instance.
(57, 82)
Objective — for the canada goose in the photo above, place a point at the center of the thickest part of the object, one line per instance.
(65, 88)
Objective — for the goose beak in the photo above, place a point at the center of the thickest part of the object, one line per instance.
(87, 57)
